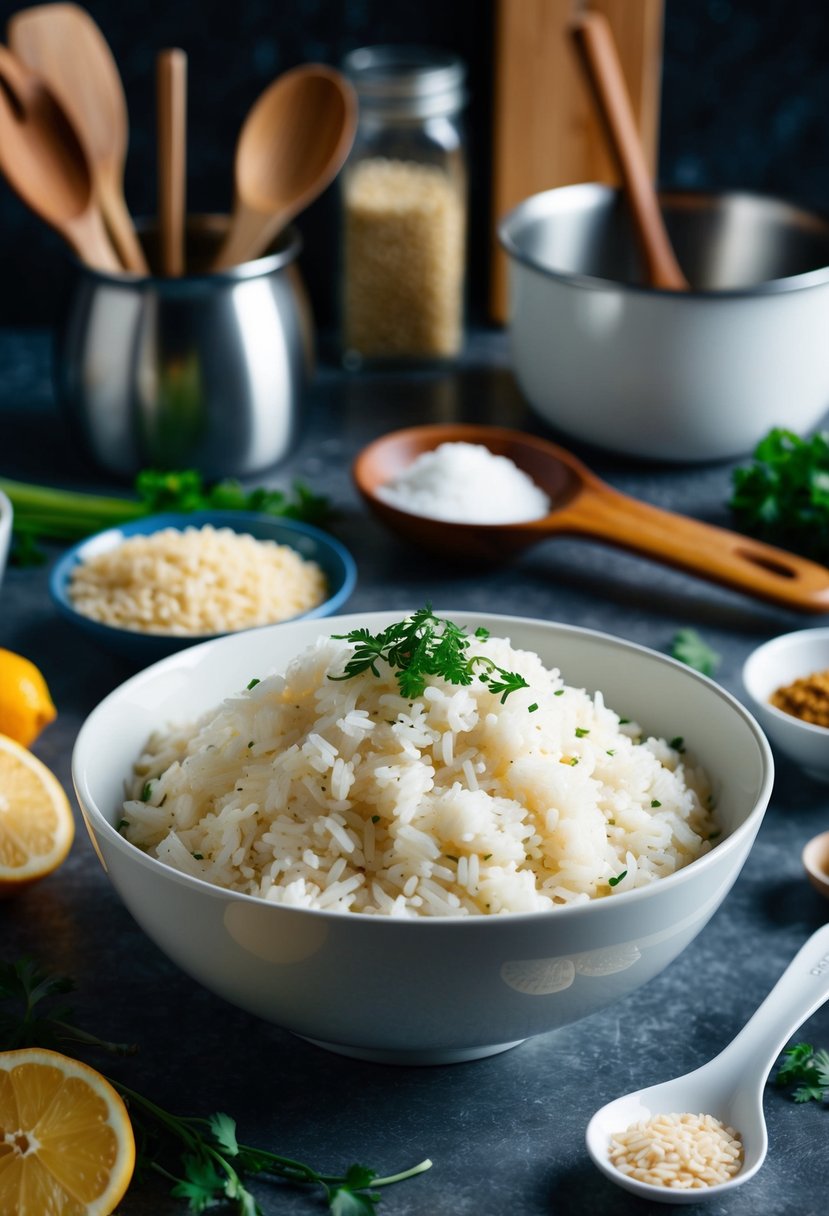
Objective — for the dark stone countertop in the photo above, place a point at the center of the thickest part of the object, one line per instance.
(506, 1134)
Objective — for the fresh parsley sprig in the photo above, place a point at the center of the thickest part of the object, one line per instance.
(805, 1072)
(214, 1165)
(202, 1158)
(424, 645)
(694, 651)
(783, 495)
(26, 993)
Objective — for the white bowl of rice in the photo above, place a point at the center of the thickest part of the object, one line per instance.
(422, 877)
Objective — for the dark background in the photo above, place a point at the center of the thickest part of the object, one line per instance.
(745, 103)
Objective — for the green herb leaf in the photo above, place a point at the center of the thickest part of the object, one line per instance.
(689, 648)
(807, 1071)
(223, 1130)
(424, 645)
(342, 1201)
(808, 1093)
(31, 1016)
(783, 495)
(202, 1185)
(614, 882)
(26, 551)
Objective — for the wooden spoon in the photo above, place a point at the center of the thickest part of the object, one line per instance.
(46, 164)
(585, 506)
(593, 38)
(65, 47)
(292, 145)
(171, 89)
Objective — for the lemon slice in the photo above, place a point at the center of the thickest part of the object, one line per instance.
(66, 1142)
(36, 823)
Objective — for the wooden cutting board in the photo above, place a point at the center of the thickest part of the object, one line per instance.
(545, 133)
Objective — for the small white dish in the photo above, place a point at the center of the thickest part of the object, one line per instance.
(6, 517)
(775, 664)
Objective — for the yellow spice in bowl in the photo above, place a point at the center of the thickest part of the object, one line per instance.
(806, 698)
(195, 581)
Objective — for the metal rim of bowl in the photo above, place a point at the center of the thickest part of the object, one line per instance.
(291, 246)
(533, 207)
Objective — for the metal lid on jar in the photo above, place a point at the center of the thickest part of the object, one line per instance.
(408, 81)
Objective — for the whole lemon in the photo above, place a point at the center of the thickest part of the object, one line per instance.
(25, 704)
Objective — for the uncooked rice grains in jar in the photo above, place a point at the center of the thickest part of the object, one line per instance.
(404, 206)
(195, 581)
(404, 251)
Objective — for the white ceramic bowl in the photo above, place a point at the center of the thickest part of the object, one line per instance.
(433, 990)
(775, 664)
(6, 516)
(685, 376)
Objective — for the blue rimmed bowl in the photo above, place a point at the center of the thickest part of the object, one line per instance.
(311, 543)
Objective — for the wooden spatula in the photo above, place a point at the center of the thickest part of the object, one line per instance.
(65, 47)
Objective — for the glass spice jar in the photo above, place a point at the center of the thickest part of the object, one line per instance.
(404, 193)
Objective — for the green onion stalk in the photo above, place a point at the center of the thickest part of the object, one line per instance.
(69, 515)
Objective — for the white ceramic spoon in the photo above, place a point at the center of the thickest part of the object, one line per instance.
(729, 1087)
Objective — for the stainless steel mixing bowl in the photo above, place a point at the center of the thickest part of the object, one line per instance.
(696, 375)
(205, 371)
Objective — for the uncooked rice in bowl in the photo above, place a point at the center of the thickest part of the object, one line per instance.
(195, 581)
(345, 795)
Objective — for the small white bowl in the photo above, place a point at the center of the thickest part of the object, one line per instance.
(775, 664)
(6, 516)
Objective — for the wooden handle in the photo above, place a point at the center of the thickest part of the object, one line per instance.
(88, 237)
(249, 232)
(593, 39)
(121, 229)
(716, 554)
(16, 78)
(171, 97)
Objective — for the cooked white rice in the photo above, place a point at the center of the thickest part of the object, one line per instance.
(344, 795)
